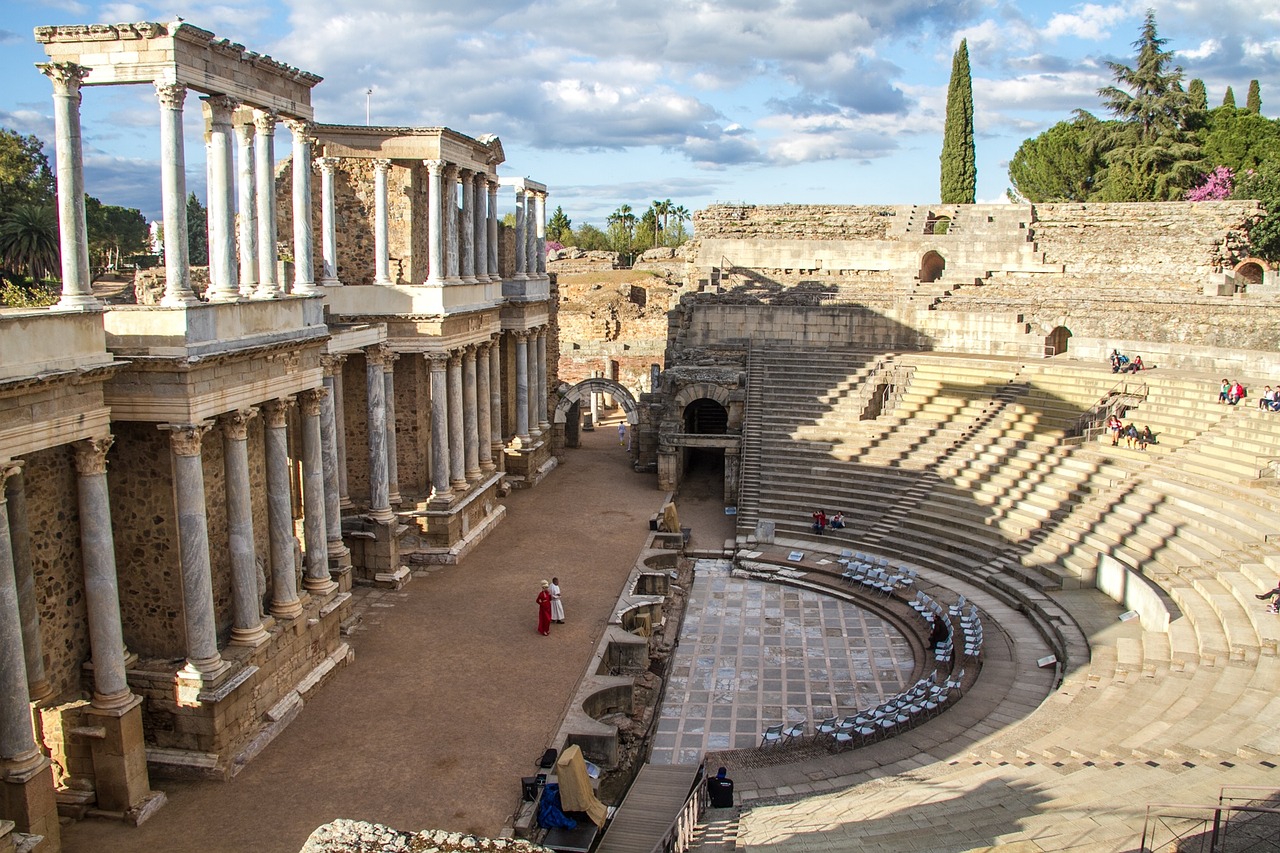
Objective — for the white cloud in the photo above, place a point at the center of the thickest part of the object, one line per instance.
(1091, 22)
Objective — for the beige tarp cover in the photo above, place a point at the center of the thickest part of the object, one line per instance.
(575, 786)
(670, 521)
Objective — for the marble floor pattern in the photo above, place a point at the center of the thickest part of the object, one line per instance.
(753, 653)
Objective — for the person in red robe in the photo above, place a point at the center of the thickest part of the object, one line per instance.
(544, 609)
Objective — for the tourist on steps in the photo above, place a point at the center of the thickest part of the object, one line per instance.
(1273, 593)
(819, 522)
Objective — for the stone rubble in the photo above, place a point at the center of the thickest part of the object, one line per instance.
(354, 836)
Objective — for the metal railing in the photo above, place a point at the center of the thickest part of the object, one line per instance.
(679, 835)
(1246, 820)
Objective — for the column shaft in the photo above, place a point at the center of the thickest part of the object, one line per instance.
(73, 231)
(389, 394)
(340, 429)
(316, 580)
(435, 223)
(470, 417)
(246, 194)
(484, 422)
(439, 426)
(15, 493)
(173, 187)
(376, 388)
(451, 222)
(531, 233)
(521, 243)
(467, 259)
(540, 232)
(329, 459)
(495, 400)
(193, 536)
(381, 225)
(522, 386)
(284, 572)
(543, 423)
(532, 383)
(480, 224)
(17, 738)
(303, 241)
(494, 275)
(457, 439)
(246, 622)
(269, 286)
(101, 586)
(328, 223)
(224, 281)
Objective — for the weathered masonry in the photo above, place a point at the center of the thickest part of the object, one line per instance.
(192, 487)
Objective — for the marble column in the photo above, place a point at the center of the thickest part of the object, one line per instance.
(494, 274)
(303, 239)
(522, 387)
(484, 423)
(101, 587)
(543, 424)
(381, 225)
(328, 223)
(284, 572)
(316, 579)
(470, 417)
(480, 225)
(340, 429)
(376, 390)
(531, 233)
(17, 741)
(246, 195)
(15, 493)
(467, 256)
(173, 188)
(540, 232)
(224, 279)
(450, 223)
(457, 438)
(389, 394)
(246, 620)
(203, 660)
(495, 400)
(521, 243)
(73, 231)
(339, 554)
(264, 152)
(440, 479)
(435, 223)
(531, 382)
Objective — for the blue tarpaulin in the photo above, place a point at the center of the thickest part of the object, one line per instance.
(550, 815)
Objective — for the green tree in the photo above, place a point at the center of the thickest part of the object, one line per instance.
(25, 177)
(1149, 156)
(1229, 99)
(114, 233)
(1253, 101)
(647, 230)
(560, 227)
(1060, 164)
(1197, 97)
(622, 226)
(959, 167)
(681, 215)
(29, 240)
(197, 232)
(1263, 184)
(1240, 140)
(590, 238)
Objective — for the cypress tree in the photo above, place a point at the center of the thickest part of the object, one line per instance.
(1253, 102)
(1229, 99)
(959, 167)
(1197, 95)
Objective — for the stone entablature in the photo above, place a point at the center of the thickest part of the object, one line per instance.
(177, 52)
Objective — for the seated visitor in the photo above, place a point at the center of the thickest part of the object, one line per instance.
(1115, 425)
(1131, 435)
(1115, 361)
(720, 790)
(1146, 438)
(819, 522)
(1236, 394)
(1224, 392)
(1272, 594)
(837, 521)
(1267, 400)
(1136, 365)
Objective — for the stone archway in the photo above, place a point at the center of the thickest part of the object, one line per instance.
(571, 401)
(1249, 271)
(1055, 343)
(931, 267)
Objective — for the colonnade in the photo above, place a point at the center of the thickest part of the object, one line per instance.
(531, 230)
(250, 182)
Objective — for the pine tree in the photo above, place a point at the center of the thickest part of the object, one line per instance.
(1229, 99)
(959, 167)
(1198, 96)
(1253, 102)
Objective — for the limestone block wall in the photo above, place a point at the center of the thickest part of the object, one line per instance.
(710, 325)
(53, 517)
(795, 221)
(413, 423)
(1168, 240)
(355, 404)
(140, 478)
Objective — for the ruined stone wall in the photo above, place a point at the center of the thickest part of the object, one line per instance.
(413, 423)
(356, 415)
(53, 518)
(1164, 240)
(795, 221)
(144, 526)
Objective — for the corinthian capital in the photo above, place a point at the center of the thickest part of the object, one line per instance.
(171, 95)
(236, 424)
(265, 121)
(91, 455)
(66, 76)
(277, 412)
(310, 400)
(186, 439)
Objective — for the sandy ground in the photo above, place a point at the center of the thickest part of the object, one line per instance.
(453, 694)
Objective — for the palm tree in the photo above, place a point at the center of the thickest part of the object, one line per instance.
(661, 213)
(29, 240)
(626, 221)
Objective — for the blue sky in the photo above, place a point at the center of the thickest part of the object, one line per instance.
(758, 101)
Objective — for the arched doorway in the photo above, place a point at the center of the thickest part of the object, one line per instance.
(706, 417)
(1249, 271)
(1055, 343)
(569, 407)
(931, 267)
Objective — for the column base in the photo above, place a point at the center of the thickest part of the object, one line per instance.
(120, 758)
(27, 799)
(77, 302)
(458, 486)
(320, 588)
(393, 496)
(40, 692)
(305, 288)
(286, 609)
(178, 300)
(249, 637)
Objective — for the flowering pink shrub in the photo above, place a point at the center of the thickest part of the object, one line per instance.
(553, 246)
(1217, 186)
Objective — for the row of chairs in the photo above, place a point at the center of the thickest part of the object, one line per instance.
(928, 608)
(922, 700)
(874, 572)
(971, 626)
